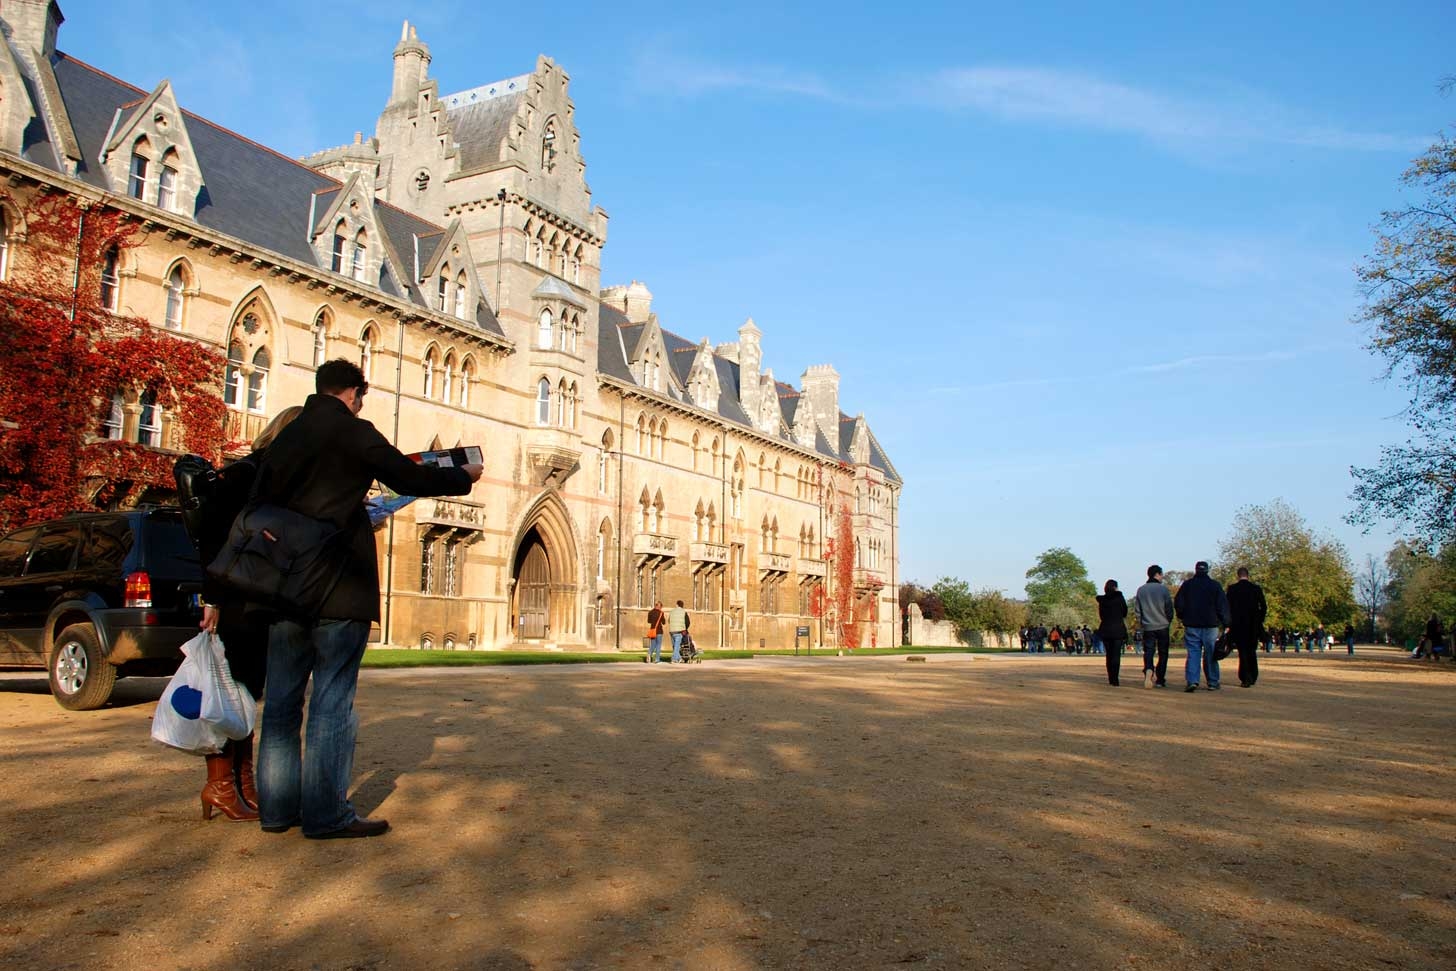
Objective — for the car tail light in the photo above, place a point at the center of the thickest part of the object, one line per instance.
(138, 589)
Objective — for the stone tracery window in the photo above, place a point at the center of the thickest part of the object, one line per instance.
(176, 286)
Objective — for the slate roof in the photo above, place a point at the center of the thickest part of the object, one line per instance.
(617, 337)
(251, 192)
(478, 129)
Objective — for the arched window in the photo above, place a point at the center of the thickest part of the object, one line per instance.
(167, 181)
(432, 364)
(561, 403)
(232, 376)
(717, 459)
(641, 433)
(141, 162)
(460, 295)
(447, 379)
(341, 245)
(526, 241)
(662, 440)
(575, 332)
(361, 252)
(112, 424)
(366, 353)
(543, 402)
(695, 451)
(543, 330)
(149, 421)
(258, 383)
(467, 375)
(548, 147)
(4, 245)
(442, 290)
(110, 278)
(539, 245)
(762, 470)
(571, 411)
(175, 297)
(320, 338)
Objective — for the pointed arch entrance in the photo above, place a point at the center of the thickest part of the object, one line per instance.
(545, 586)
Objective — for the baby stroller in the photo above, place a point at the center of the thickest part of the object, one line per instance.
(688, 651)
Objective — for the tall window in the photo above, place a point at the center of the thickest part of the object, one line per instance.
(571, 407)
(341, 244)
(543, 402)
(467, 374)
(137, 184)
(431, 365)
(320, 338)
(442, 292)
(602, 534)
(366, 352)
(427, 564)
(110, 278)
(175, 286)
(361, 252)
(258, 383)
(460, 295)
(167, 181)
(232, 376)
(604, 463)
(543, 330)
(149, 422)
(4, 245)
(111, 425)
(447, 380)
(452, 568)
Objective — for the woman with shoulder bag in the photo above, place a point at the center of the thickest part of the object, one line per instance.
(1112, 627)
(230, 786)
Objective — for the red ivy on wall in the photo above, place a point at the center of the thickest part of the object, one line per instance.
(62, 356)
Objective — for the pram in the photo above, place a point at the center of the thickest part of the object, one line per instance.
(688, 651)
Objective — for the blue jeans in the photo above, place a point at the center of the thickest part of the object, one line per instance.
(676, 646)
(654, 648)
(1199, 642)
(311, 786)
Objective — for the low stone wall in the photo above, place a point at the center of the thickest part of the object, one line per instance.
(943, 633)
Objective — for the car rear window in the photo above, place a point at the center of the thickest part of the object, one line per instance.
(168, 550)
(55, 549)
(13, 549)
(107, 544)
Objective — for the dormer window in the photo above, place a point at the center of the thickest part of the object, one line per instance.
(167, 181)
(137, 183)
(336, 263)
(460, 295)
(442, 297)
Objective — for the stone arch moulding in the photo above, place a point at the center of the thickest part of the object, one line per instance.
(548, 518)
(276, 337)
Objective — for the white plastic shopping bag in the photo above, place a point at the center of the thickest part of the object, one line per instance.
(226, 705)
(178, 719)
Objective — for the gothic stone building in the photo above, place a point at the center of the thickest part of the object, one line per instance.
(456, 256)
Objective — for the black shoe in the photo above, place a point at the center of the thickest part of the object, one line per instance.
(359, 828)
(1246, 684)
(1190, 689)
(1160, 684)
(283, 828)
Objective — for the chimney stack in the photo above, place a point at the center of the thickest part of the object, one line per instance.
(821, 396)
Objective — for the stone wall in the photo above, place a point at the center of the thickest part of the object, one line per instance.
(943, 633)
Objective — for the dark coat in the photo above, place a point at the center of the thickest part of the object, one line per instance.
(1201, 602)
(1112, 616)
(655, 620)
(1247, 610)
(322, 465)
(234, 485)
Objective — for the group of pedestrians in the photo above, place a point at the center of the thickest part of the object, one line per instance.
(1204, 607)
(1038, 639)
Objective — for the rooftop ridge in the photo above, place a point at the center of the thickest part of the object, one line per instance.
(487, 92)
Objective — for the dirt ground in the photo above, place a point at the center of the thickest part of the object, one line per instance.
(966, 812)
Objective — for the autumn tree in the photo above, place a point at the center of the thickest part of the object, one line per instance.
(1058, 590)
(1305, 575)
(1422, 582)
(1409, 285)
(64, 352)
(1370, 591)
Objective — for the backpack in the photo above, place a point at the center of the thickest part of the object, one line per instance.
(197, 484)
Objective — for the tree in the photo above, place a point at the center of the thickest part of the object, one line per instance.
(1409, 285)
(931, 607)
(1421, 583)
(1057, 588)
(1370, 590)
(63, 353)
(1306, 576)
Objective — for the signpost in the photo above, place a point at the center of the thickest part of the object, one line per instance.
(804, 633)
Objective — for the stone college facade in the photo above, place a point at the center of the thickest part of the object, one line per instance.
(456, 256)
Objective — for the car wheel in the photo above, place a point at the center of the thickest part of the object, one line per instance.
(81, 679)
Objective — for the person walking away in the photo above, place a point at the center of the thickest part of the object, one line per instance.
(231, 787)
(1247, 612)
(1203, 607)
(1112, 628)
(1349, 640)
(322, 465)
(1154, 606)
(1434, 636)
(677, 622)
(655, 618)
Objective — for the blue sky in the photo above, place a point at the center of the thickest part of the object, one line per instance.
(1087, 269)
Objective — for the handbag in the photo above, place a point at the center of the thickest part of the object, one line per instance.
(202, 706)
(1223, 647)
(281, 559)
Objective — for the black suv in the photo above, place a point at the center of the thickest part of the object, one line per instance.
(97, 596)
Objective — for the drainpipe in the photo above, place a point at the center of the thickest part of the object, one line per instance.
(500, 242)
(621, 451)
(76, 270)
(387, 632)
(723, 535)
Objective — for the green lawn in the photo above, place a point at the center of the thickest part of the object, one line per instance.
(395, 658)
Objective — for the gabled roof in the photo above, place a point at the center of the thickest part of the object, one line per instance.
(478, 124)
(553, 288)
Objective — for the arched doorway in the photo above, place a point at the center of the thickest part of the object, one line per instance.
(533, 587)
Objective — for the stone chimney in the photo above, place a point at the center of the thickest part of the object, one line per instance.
(411, 66)
(821, 396)
(634, 301)
(31, 26)
(750, 359)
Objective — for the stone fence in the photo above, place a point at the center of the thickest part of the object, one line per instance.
(943, 633)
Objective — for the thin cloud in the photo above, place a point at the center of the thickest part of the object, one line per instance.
(1207, 360)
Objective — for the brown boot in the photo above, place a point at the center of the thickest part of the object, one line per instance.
(221, 792)
(243, 770)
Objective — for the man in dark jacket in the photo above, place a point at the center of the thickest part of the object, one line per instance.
(1203, 607)
(322, 465)
(1247, 610)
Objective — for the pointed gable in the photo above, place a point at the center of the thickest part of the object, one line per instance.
(703, 386)
(148, 154)
(17, 107)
